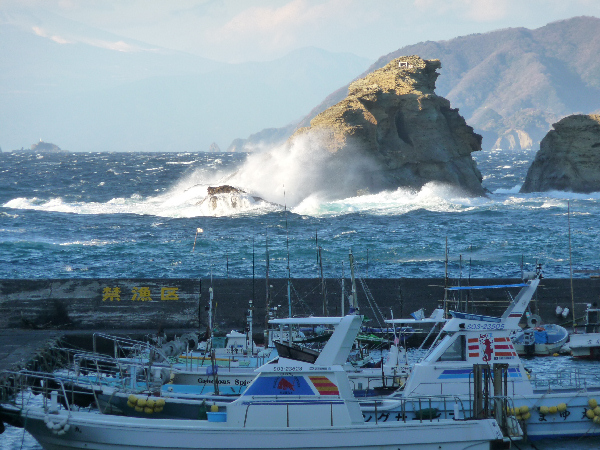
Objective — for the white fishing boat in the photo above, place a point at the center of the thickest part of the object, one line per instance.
(548, 405)
(540, 340)
(586, 343)
(290, 405)
(188, 389)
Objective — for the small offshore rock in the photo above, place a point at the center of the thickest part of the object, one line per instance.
(569, 157)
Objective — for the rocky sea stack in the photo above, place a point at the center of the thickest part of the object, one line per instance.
(46, 147)
(569, 157)
(394, 117)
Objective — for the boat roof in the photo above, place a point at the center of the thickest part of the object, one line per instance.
(307, 321)
(492, 286)
(426, 320)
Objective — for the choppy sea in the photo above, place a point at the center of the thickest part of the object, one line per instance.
(138, 215)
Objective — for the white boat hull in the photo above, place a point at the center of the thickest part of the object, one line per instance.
(540, 349)
(569, 423)
(585, 345)
(92, 431)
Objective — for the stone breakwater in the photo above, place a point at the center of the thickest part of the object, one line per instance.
(168, 304)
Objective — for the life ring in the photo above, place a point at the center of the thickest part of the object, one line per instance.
(534, 321)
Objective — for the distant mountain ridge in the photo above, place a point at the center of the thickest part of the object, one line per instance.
(511, 84)
(96, 91)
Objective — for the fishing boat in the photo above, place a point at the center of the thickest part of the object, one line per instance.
(586, 344)
(547, 405)
(289, 405)
(540, 340)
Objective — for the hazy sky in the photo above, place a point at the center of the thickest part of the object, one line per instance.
(244, 30)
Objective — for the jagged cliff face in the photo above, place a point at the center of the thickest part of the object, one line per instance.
(569, 157)
(412, 136)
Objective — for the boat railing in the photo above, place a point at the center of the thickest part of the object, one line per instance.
(25, 388)
(435, 407)
(196, 362)
(129, 375)
(437, 388)
(375, 382)
(122, 346)
(379, 411)
(573, 379)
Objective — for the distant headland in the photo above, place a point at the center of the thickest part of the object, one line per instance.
(42, 147)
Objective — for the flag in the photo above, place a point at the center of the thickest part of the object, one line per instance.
(418, 315)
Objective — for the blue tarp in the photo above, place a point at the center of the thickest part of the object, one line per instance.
(541, 337)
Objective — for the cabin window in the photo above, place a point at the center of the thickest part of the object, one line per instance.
(456, 351)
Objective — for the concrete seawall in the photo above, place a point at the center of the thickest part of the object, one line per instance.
(99, 303)
(181, 303)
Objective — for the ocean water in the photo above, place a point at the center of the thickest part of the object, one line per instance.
(137, 215)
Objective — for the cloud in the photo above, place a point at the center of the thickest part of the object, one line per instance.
(475, 10)
(282, 27)
(486, 10)
(42, 33)
(39, 31)
(119, 46)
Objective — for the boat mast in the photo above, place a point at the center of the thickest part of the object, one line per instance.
(323, 290)
(210, 312)
(354, 301)
(571, 264)
(249, 340)
(267, 300)
(289, 281)
(287, 245)
(446, 280)
(459, 281)
(342, 289)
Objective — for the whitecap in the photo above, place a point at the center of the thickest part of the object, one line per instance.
(432, 197)
(514, 190)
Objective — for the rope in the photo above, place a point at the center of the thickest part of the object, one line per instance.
(304, 305)
(372, 304)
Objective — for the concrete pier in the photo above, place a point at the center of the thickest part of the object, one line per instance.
(37, 315)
